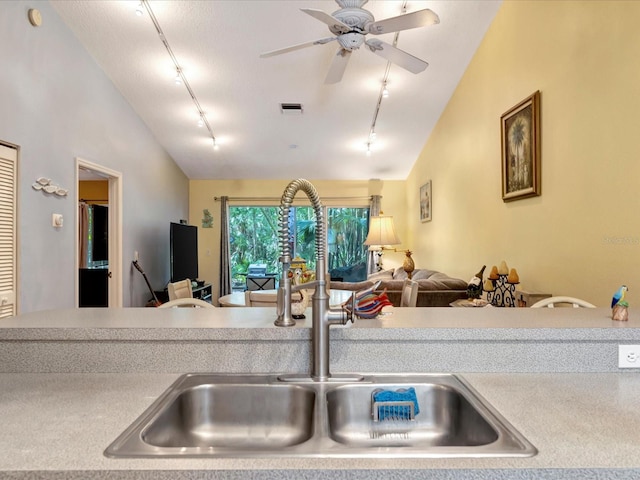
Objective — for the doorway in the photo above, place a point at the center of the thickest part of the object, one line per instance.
(99, 238)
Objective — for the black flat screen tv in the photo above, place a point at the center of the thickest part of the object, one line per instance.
(183, 245)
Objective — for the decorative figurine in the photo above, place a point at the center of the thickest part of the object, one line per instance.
(368, 303)
(408, 265)
(494, 273)
(619, 305)
(298, 307)
(474, 287)
(503, 282)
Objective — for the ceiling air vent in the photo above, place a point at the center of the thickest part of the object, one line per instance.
(291, 108)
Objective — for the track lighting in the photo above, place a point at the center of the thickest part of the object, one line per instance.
(139, 9)
(215, 144)
(180, 77)
(384, 90)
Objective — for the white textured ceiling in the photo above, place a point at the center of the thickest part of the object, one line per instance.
(218, 43)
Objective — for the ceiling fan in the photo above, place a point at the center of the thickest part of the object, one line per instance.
(350, 25)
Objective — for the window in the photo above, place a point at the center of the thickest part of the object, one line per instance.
(253, 239)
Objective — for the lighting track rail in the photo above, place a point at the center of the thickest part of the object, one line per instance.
(383, 89)
(179, 70)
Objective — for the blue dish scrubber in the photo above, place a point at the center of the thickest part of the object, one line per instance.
(396, 412)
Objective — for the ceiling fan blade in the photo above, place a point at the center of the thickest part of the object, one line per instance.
(338, 66)
(397, 56)
(335, 25)
(421, 18)
(322, 41)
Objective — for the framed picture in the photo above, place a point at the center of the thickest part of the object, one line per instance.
(520, 129)
(425, 202)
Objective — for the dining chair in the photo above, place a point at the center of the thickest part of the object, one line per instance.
(181, 289)
(187, 302)
(551, 302)
(257, 298)
(409, 296)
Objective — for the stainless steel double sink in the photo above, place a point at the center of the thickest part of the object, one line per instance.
(216, 415)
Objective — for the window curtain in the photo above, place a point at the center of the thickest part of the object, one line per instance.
(83, 241)
(225, 256)
(374, 211)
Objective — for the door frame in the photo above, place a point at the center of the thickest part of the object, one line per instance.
(115, 230)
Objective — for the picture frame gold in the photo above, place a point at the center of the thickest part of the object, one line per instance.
(426, 202)
(520, 133)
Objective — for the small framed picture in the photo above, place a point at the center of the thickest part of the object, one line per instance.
(520, 129)
(425, 202)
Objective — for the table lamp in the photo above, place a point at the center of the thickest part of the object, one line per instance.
(382, 233)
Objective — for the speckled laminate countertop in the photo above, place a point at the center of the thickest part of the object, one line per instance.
(58, 425)
(72, 380)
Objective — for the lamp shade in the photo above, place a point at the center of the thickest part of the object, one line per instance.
(381, 232)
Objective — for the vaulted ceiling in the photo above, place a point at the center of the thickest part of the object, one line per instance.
(218, 45)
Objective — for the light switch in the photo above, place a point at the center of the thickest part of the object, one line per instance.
(56, 220)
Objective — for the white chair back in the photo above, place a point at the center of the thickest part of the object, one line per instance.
(260, 298)
(181, 289)
(409, 296)
(187, 302)
(551, 302)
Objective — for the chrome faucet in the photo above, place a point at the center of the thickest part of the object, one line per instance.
(322, 316)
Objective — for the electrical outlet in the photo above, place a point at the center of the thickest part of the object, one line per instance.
(629, 356)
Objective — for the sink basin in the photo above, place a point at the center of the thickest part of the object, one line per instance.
(237, 416)
(216, 415)
(446, 418)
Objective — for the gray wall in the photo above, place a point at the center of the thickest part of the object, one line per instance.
(57, 104)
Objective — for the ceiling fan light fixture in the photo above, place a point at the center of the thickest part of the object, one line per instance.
(351, 3)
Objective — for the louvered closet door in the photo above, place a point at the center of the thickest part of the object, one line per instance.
(8, 264)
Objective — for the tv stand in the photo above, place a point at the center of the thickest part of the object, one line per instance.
(203, 293)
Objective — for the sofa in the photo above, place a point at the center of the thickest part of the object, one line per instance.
(435, 289)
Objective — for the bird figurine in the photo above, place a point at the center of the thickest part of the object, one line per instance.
(618, 297)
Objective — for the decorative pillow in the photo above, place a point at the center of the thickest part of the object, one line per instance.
(421, 274)
(399, 274)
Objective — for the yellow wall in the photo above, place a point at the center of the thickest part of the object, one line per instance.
(94, 191)
(202, 193)
(581, 237)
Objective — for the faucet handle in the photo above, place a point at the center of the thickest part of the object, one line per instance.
(351, 310)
